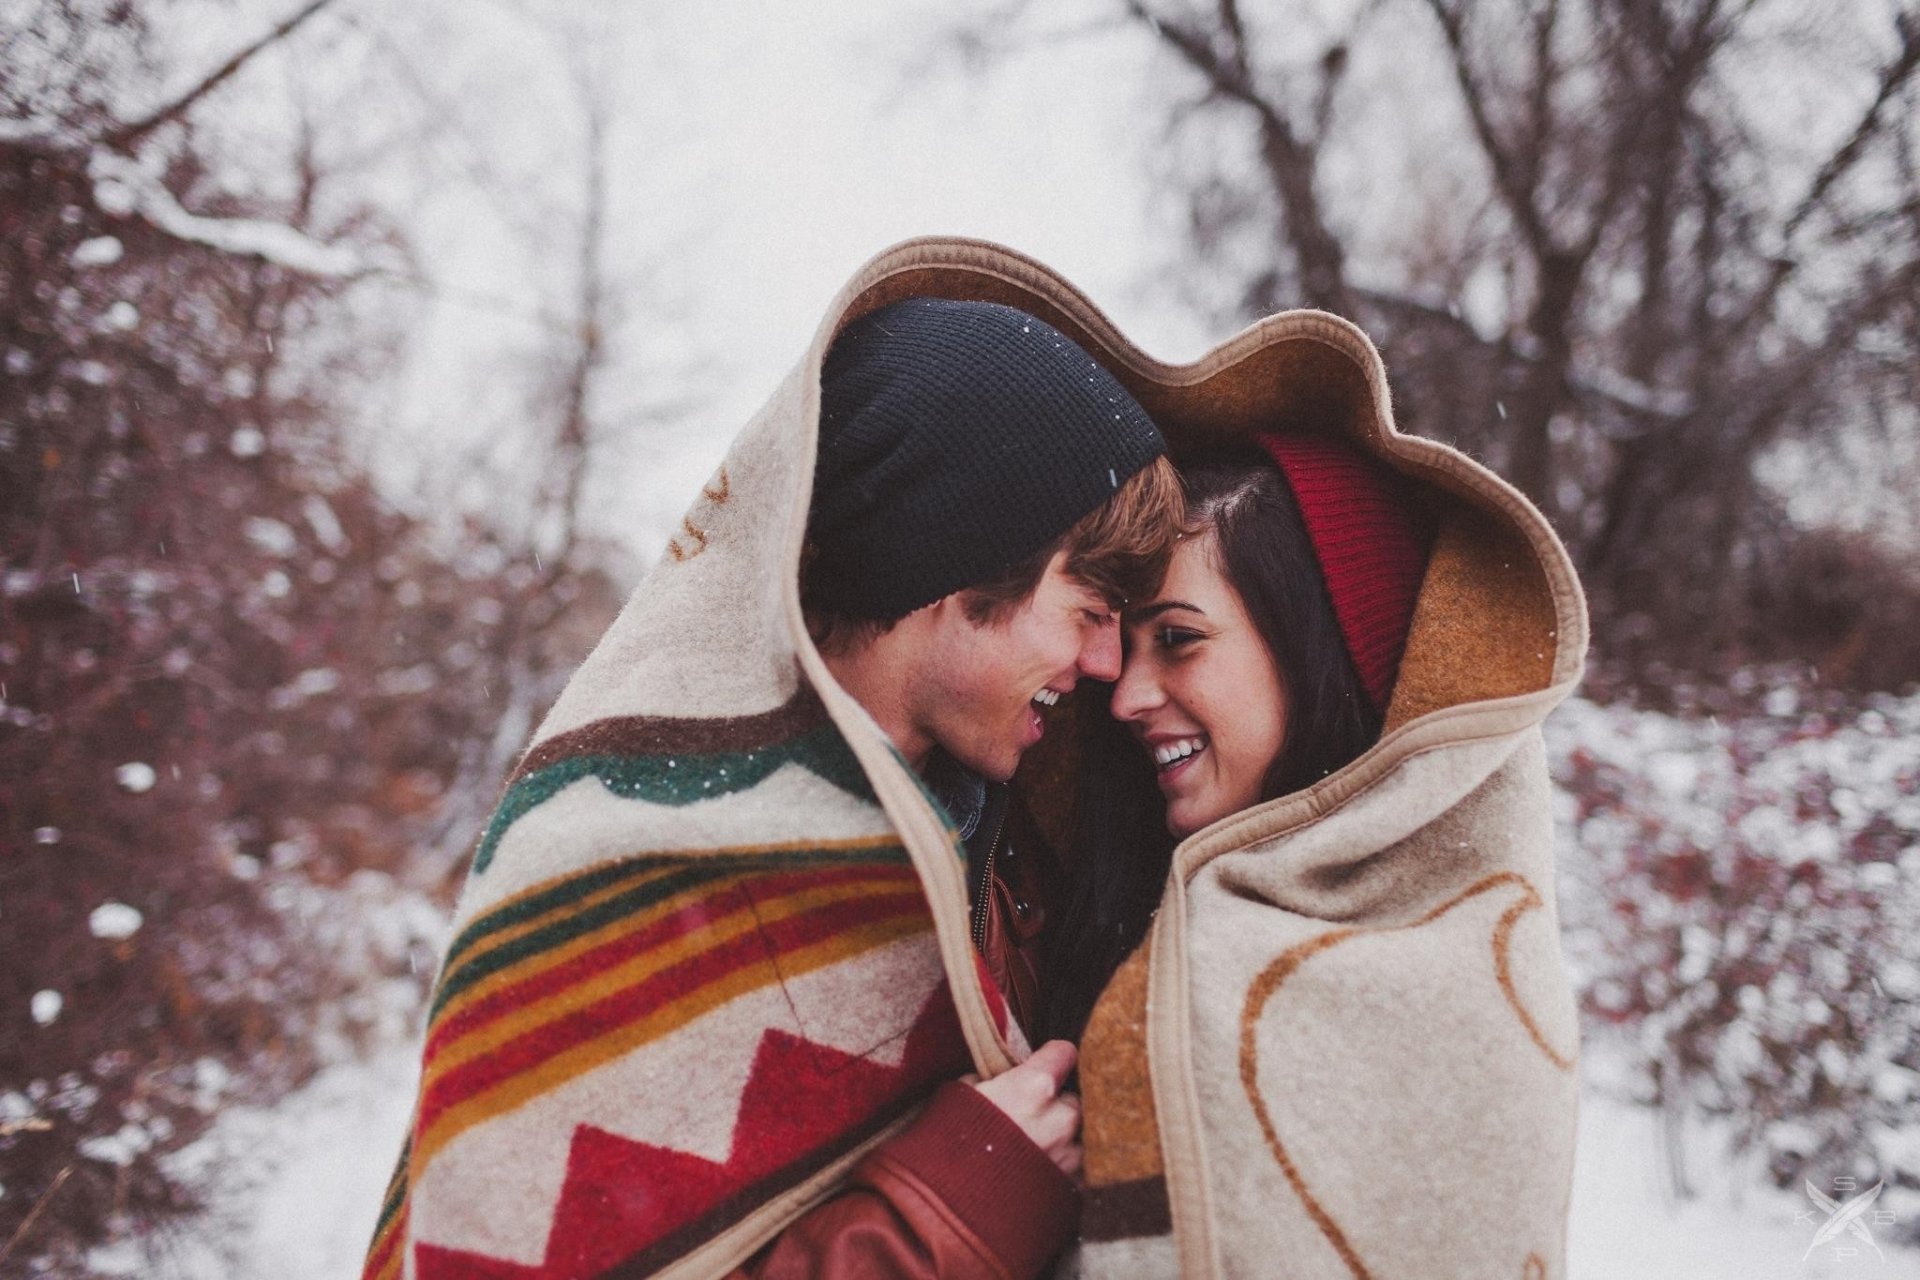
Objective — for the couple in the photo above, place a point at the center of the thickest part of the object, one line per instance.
(957, 721)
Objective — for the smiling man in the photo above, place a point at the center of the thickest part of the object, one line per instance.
(986, 499)
(696, 1017)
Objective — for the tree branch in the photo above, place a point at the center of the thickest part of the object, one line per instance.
(1893, 77)
(1290, 163)
(123, 136)
(1540, 121)
(122, 186)
(1516, 190)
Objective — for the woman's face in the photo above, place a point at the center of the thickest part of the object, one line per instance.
(1200, 691)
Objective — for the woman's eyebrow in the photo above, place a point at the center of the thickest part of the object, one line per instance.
(1148, 613)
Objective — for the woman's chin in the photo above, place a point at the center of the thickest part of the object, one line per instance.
(1184, 817)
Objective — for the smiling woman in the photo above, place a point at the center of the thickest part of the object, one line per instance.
(1262, 664)
(1201, 691)
(1273, 643)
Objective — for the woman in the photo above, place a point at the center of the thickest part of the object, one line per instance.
(1312, 961)
(1262, 665)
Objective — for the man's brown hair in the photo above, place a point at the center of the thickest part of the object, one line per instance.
(1120, 549)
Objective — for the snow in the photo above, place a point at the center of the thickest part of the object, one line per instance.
(136, 776)
(124, 186)
(297, 1188)
(294, 1188)
(45, 1006)
(273, 537)
(325, 524)
(114, 921)
(1627, 1223)
(100, 251)
(119, 1147)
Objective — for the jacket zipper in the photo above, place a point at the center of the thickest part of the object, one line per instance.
(982, 899)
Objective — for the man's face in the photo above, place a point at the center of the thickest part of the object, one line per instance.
(982, 685)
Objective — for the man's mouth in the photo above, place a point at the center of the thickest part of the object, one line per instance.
(1170, 755)
(1047, 698)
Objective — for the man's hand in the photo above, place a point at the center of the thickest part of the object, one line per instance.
(1030, 1095)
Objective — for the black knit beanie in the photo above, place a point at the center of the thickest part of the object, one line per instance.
(956, 440)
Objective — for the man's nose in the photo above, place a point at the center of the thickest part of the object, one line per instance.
(1100, 655)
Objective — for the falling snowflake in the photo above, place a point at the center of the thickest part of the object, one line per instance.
(101, 251)
(45, 1007)
(136, 776)
(114, 921)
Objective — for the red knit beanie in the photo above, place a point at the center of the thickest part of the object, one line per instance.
(1372, 542)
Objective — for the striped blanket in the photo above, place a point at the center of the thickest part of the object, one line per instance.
(713, 944)
(557, 1038)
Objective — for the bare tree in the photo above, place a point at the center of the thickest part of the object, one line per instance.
(1667, 316)
(1289, 146)
(233, 676)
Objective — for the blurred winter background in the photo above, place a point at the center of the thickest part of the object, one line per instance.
(357, 356)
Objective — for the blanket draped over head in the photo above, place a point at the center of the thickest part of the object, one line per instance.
(714, 944)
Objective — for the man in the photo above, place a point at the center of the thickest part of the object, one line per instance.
(956, 441)
(709, 956)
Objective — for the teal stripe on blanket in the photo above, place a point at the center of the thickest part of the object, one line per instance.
(678, 780)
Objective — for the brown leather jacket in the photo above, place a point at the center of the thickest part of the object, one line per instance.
(962, 1192)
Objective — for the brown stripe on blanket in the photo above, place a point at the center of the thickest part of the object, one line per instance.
(1121, 1126)
(680, 735)
(1124, 1210)
(1267, 983)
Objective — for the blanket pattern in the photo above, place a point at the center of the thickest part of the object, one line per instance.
(576, 977)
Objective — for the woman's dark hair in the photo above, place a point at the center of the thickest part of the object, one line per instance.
(1119, 842)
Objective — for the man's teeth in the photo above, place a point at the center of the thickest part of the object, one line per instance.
(1172, 752)
(1047, 697)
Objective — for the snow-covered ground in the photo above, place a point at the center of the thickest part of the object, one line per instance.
(297, 1188)
(294, 1189)
(1627, 1224)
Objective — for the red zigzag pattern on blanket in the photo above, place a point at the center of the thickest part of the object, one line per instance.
(619, 1208)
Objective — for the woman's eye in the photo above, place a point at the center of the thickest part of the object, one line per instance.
(1176, 637)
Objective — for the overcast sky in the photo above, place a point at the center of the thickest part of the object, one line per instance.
(759, 152)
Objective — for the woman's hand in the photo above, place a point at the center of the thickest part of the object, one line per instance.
(1030, 1095)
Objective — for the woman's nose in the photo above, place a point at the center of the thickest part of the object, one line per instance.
(1136, 692)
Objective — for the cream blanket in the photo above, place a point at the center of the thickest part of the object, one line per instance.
(715, 942)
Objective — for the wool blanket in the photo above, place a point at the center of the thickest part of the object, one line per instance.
(1347, 1049)
(714, 942)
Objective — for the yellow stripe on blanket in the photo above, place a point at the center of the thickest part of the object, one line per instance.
(522, 1086)
(744, 913)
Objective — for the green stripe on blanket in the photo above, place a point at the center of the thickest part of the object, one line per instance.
(678, 779)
